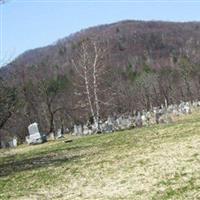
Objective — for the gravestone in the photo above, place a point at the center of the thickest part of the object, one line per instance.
(175, 111)
(120, 123)
(125, 123)
(182, 108)
(10, 142)
(138, 120)
(187, 109)
(34, 134)
(110, 125)
(144, 119)
(51, 136)
(78, 129)
(148, 118)
(158, 113)
(13, 142)
(108, 128)
(59, 134)
(86, 130)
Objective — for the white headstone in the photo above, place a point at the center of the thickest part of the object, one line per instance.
(59, 133)
(78, 130)
(138, 120)
(51, 136)
(33, 128)
(14, 142)
(34, 134)
(86, 130)
(144, 120)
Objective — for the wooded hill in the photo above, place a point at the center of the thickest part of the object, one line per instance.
(129, 66)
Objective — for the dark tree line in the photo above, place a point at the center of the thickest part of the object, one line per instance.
(152, 87)
(8, 102)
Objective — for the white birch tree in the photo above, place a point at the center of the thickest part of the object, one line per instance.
(89, 65)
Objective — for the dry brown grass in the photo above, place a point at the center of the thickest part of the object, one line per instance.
(160, 162)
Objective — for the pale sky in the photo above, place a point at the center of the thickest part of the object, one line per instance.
(28, 24)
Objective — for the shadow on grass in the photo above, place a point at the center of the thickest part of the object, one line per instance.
(55, 156)
(40, 161)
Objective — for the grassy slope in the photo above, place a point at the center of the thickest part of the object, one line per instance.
(160, 162)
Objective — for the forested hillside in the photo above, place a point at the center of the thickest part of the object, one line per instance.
(105, 70)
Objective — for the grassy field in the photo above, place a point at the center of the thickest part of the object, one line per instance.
(159, 162)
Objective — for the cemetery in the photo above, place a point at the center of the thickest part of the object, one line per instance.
(157, 157)
(107, 112)
(157, 115)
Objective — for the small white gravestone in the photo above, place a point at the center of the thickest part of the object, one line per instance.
(13, 142)
(138, 120)
(34, 134)
(78, 130)
(9, 143)
(148, 117)
(144, 120)
(51, 136)
(86, 130)
(187, 108)
(59, 133)
(125, 123)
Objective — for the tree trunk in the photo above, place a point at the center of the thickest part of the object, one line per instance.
(51, 119)
(51, 130)
(88, 92)
(95, 86)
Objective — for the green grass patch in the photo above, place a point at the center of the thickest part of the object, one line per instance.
(157, 162)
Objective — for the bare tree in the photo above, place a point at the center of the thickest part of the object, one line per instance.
(90, 67)
(8, 102)
(8, 97)
(51, 93)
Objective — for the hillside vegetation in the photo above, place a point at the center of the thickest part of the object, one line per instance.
(158, 162)
(107, 70)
